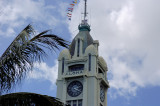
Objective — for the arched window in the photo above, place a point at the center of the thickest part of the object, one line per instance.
(62, 65)
(78, 48)
(89, 62)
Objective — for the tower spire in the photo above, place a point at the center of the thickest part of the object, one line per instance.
(84, 24)
(85, 9)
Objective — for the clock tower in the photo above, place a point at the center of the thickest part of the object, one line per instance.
(82, 73)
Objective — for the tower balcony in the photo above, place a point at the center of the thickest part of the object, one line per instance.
(103, 78)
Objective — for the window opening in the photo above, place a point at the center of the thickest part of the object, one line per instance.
(78, 48)
(69, 103)
(76, 67)
(100, 71)
(101, 104)
(79, 102)
(74, 103)
(89, 62)
(63, 65)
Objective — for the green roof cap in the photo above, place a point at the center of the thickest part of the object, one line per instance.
(84, 27)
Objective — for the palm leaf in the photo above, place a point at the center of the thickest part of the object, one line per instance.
(26, 49)
(26, 99)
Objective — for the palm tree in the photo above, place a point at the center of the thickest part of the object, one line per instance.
(26, 49)
(29, 99)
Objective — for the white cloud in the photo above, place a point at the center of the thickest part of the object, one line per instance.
(62, 8)
(42, 71)
(128, 32)
(16, 14)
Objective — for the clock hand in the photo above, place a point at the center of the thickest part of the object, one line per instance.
(77, 89)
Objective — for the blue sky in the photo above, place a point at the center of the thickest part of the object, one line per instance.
(128, 32)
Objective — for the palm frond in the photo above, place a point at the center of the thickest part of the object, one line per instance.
(23, 52)
(28, 99)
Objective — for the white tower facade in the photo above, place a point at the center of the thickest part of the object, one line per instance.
(82, 73)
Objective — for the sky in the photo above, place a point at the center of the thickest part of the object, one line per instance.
(128, 33)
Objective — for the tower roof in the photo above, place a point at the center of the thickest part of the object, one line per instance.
(84, 35)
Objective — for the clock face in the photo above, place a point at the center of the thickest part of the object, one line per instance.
(102, 93)
(74, 88)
